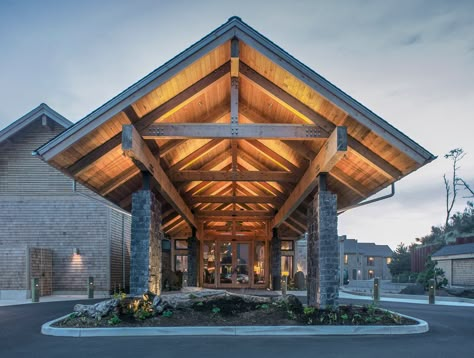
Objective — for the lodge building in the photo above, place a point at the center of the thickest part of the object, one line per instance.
(233, 149)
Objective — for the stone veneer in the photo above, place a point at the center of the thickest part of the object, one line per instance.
(145, 260)
(323, 251)
(276, 260)
(193, 261)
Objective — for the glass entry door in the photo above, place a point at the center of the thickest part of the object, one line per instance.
(234, 263)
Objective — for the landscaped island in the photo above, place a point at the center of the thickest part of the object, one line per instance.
(221, 308)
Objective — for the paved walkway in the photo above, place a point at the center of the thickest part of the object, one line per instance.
(55, 298)
(445, 301)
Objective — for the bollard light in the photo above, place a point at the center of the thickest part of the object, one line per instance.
(284, 282)
(432, 292)
(90, 287)
(35, 291)
(376, 290)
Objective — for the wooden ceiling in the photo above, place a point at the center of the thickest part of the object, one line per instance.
(234, 131)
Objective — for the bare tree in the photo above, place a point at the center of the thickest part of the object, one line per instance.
(452, 187)
(467, 187)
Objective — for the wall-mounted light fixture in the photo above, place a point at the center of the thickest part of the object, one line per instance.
(75, 251)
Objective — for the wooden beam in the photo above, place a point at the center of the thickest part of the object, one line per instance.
(123, 177)
(307, 113)
(194, 155)
(234, 57)
(134, 147)
(233, 131)
(233, 213)
(170, 145)
(336, 97)
(332, 151)
(142, 123)
(267, 199)
(220, 175)
(286, 100)
(283, 162)
(292, 227)
(182, 97)
(348, 181)
(375, 161)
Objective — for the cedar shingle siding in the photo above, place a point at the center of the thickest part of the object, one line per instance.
(38, 209)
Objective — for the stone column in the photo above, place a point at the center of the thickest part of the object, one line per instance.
(275, 258)
(145, 258)
(323, 249)
(193, 259)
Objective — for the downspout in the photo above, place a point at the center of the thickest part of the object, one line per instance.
(392, 193)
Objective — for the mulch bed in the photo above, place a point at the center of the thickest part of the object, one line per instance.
(234, 311)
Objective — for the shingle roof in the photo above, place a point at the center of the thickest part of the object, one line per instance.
(371, 249)
(19, 124)
(351, 246)
(455, 250)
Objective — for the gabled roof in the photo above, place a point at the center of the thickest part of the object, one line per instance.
(454, 250)
(371, 249)
(31, 116)
(236, 119)
(352, 246)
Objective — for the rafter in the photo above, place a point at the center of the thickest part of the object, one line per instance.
(195, 155)
(303, 111)
(277, 158)
(123, 177)
(142, 123)
(325, 160)
(135, 148)
(348, 181)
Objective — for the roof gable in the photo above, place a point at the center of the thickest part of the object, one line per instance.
(236, 116)
(36, 113)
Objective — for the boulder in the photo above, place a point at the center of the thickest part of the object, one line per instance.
(97, 310)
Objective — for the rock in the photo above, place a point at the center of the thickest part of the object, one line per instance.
(178, 300)
(97, 310)
(156, 301)
(291, 301)
(250, 298)
(160, 308)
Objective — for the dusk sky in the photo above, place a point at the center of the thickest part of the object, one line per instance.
(411, 62)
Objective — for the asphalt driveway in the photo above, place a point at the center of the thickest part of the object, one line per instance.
(451, 335)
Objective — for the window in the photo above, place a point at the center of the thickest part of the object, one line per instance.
(181, 263)
(209, 262)
(181, 244)
(259, 263)
(354, 274)
(389, 260)
(370, 261)
(370, 274)
(346, 259)
(286, 245)
(287, 266)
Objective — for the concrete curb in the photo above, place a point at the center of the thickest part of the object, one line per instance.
(421, 327)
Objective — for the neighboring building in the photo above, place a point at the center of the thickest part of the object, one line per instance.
(49, 230)
(364, 261)
(457, 262)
